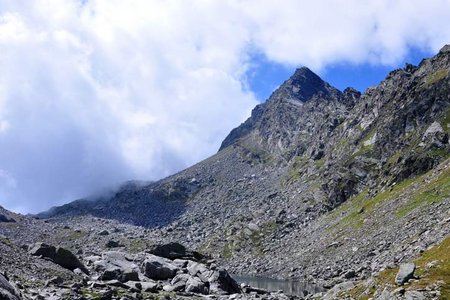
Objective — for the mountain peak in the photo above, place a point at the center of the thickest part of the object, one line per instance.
(303, 85)
(445, 49)
(304, 72)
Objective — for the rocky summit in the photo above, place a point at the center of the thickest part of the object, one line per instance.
(348, 192)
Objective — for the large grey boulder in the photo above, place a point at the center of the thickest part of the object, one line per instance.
(198, 269)
(59, 256)
(180, 278)
(7, 291)
(44, 250)
(414, 295)
(116, 265)
(220, 282)
(405, 273)
(68, 260)
(159, 268)
(195, 285)
(435, 136)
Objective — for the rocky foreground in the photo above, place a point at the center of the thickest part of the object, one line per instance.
(94, 258)
(101, 264)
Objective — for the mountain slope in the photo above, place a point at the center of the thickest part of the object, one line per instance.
(317, 182)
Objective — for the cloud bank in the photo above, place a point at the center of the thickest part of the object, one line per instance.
(96, 92)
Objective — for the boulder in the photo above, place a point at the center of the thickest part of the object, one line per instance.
(44, 250)
(197, 269)
(59, 256)
(68, 260)
(220, 282)
(112, 244)
(195, 285)
(405, 273)
(116, 265)
(350, 274)
(158, 268)
(183, 278)
(174, 251)
(414, 295)
(7, 291)
(149, 286)
(174, 288)
(435, 136)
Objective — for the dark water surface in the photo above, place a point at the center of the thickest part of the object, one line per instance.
(289, 287)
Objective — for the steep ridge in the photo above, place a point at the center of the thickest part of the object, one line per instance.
(317, 182)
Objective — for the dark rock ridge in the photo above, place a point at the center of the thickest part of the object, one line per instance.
(316, 184)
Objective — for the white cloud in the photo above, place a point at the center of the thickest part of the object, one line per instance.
(96, 92)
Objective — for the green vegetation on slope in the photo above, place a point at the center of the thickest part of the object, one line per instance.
(436, 76)
(432, 268)
(434, 191)
(426, 191)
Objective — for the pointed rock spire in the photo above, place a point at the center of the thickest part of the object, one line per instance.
(304, 84)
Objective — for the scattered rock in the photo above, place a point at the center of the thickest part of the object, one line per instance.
(60, 256)
(414, 295)
(174, 251)
(405, 273)
(159, 268)
(7, 291)
(112, 244)
(195, 285)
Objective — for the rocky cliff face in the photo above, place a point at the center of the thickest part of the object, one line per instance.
(316, 183)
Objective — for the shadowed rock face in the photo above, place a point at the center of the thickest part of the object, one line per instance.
(58, 255)
(175, 251)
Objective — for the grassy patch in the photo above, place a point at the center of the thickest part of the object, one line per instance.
(359, 207)
(342, 144)
(251, 153)
(363, 150)
(5, 240)
(436, 76)
(293, 172)
(320, 163)
(445, 120)
(394, 158)
(75, 234)
(440, 272)
(92, 294)
(443, 153)
(435, 191)
(428, 276)
(252, 241)
(227, 251)
(349, 206)
(137, 245)
(363, 292)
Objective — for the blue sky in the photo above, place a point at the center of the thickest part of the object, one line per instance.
(97, 92)
(265, 76)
